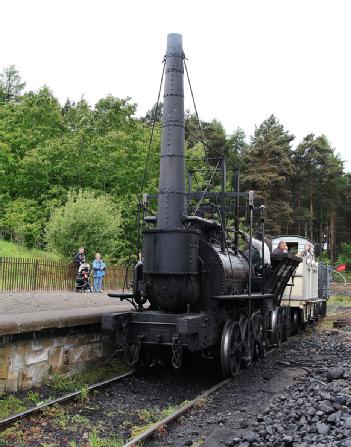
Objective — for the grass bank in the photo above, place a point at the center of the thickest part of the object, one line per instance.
(11, 250)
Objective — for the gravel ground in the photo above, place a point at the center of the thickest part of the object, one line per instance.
(300, 396)
(27, 302)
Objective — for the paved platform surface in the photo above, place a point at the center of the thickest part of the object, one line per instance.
(33, 311)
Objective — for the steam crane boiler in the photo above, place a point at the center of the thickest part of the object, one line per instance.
(194, 291)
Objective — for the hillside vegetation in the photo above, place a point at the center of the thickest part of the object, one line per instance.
(53, 156)
(11, 250)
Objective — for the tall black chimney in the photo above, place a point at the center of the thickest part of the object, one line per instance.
(171, 199)
(171, 250)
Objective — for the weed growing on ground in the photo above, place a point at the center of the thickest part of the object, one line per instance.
(66, 383)
(62, 383)
(84, 393)
(10, 404)
(334, 302)
(138, 429)
(153, 415)
(12, 436)
(34, 397)
(96, 441)
(58, 415)
(198, 442)
(340, 300)
(78, 419)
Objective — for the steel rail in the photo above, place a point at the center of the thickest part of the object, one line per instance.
(11, 419)
(168, 419)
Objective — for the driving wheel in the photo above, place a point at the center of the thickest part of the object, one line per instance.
(231, 349)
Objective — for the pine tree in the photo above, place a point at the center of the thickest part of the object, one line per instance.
(317, 186)
(268, 166)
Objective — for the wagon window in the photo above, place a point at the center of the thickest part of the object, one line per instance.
(293, 247)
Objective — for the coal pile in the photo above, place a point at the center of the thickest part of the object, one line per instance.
(300, 396)
(314, 412)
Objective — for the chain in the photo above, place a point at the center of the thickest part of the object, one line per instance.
(176, 352)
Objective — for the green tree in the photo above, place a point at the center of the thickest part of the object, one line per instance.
(318, 183)
(35, 119)
(155, 114)
(77, 117)
(236, 147)
(345, 254)
(11, 84)
(88, 220)
(111, 113)
(211, 134)
(268, 168)
(23, 222)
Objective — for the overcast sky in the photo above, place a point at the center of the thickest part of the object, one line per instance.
(247, 59)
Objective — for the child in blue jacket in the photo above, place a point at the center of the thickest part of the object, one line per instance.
(99, 270)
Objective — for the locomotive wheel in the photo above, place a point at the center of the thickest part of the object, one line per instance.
(231, 349)
(276, 326)
(295, 321)
(248, 342)
(280, 323)
(259, 337)
(285, 323)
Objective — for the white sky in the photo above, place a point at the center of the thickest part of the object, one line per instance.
(247, 58)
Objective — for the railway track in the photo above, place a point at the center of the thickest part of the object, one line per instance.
(131, 400)
(148, 433)
(165, 422)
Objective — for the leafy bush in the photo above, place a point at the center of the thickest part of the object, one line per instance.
(23, 221)
(85, 220)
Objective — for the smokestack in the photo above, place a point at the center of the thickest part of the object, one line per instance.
(171, 199)
(171, 251)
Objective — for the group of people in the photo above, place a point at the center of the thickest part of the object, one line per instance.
(307, 251)
(98, 267)
(282, 248)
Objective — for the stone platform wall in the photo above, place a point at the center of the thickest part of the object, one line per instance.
(30, 359)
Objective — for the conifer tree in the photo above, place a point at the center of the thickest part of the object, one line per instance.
(268, 166)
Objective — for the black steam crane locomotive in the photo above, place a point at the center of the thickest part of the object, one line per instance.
(195, 292)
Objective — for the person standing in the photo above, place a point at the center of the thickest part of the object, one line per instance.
(99, 270)
(307, 252)
(79, 258)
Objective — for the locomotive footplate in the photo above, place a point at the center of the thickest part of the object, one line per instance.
(195, 331)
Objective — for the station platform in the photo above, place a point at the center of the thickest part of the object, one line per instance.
(22, 312)
(46, 333)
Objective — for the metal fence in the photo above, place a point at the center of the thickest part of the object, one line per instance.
(20, 275)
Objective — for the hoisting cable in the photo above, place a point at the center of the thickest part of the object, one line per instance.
(137, 220)
(211, 179)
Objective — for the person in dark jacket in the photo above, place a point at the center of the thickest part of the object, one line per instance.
(79, 258)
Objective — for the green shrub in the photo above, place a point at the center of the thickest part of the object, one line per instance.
(345, 254)
(85, 220)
